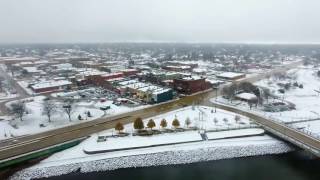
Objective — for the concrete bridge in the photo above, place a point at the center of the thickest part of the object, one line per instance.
(302, 139)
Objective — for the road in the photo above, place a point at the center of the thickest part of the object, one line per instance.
(29, 143)
(281, 130)
(22, 93)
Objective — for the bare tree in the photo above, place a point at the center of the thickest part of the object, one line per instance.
(18, 109)
(49, 107)
(215, 120)
(187, 122)
(237, 118)
(68, 108)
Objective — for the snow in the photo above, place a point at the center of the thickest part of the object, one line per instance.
(230, 74)
(247, 96)
(32, 121)
(306, 99)
(48, 84)
(141, 141)
(234, 133)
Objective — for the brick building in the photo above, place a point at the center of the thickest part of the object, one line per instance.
(190, 85)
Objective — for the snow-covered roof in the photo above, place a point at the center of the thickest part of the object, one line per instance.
(48, 84)
(246, 96)
(32, 69)
(230, 74)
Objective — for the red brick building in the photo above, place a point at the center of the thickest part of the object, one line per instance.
(190, 85)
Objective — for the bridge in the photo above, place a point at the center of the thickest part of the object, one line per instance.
(303, 139)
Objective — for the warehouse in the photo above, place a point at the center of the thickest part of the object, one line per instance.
(50, 86)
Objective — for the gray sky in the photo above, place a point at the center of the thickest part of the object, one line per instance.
(269, 21)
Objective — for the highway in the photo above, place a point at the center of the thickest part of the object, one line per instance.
(29, 143)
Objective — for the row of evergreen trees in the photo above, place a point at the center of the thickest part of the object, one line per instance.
(139, 125)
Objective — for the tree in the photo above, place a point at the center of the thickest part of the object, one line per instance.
(187, 122)
(266, 93)
(68, 108)
(89, 114)
(215, 120)
(250, 104)
(79, 117)
(49, 108)
(163, 123)
(230, 91)
(151, 124)
(18, 109)
(225, 120)
(119, 127)
(247, 86)
(138, 123)
(237, 118)
(175, 123)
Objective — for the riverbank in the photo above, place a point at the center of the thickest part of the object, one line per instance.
(168, 155)
(294, 166)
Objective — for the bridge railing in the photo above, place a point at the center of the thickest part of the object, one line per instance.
(296, 127)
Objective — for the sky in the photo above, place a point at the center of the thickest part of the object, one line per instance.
(208, 21)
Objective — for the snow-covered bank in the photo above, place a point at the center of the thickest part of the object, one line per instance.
(179, 154)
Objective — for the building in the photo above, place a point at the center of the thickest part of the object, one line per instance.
(50, 86)
(178, 68)
(232, 76)
(144, 91)
(130, 72)
(190, 85)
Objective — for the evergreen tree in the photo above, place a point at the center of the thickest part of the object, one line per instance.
(163, 123)
(89, 114)
(151, 124)
(119, 127)
(175, 123)
(79, 117)
(138, 123)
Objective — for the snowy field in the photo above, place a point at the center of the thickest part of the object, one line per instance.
(35, 121)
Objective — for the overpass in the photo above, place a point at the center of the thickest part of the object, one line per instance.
(302, 139)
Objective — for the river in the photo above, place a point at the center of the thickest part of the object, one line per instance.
(292, 166)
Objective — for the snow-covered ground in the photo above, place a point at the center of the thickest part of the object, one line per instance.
(234, 133)
(12, 126)
(306, 99)
(141, 141)
(202, 150)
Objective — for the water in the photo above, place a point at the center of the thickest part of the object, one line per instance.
(292, 166)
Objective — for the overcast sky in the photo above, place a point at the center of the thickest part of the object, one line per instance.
(269, 21)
